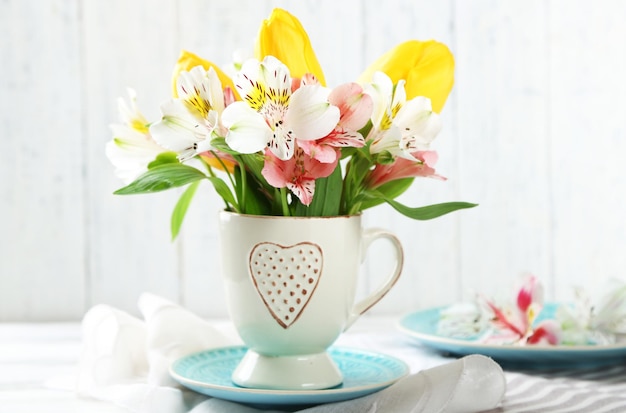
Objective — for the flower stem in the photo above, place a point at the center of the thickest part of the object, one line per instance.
(343, 203)
(242, 200)
(283, 199)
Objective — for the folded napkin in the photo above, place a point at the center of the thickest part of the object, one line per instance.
(125, 361)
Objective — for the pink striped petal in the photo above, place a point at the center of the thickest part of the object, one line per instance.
(530, 292)
(354, 105)
(547, 332)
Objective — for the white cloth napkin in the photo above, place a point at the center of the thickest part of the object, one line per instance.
(125, 361)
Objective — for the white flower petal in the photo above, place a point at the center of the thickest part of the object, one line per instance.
(131, 156)
(130, 115)
(276, 77)
(247, 83)
(178, 130)
(380, 90)
(216, 93)
(419, 125)
(310, 115)
(281, 143)
(383, 83)
(415, 105)
(247, 130)
(386, 140)
(188, 81)
(399, 95)
(127, 135)
(201, 90)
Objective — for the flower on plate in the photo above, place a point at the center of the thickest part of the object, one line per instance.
(512, 322)
(596, 320)
(583, 321)
(515, 322)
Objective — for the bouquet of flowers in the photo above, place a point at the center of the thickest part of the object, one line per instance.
(525, 319)
(273, 139)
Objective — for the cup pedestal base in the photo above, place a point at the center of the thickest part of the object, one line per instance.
(294, 372)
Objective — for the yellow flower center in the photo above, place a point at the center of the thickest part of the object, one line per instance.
(257, 96)
(196, 103)
(281, 98)
(387, 120)
(139, 125)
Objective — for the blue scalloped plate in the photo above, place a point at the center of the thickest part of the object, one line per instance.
(422, 325)
(208, 372)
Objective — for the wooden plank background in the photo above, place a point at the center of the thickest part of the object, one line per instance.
(534, 132)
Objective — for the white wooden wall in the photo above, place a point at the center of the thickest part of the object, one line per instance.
(534, 132)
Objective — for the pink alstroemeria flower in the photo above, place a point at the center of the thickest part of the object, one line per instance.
(308, 79)
(297, 174)
(405, 168)
(518, 321)
(355, 109)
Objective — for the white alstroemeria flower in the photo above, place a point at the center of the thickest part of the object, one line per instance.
(271, 116)
(464, 320)
(189, 121)
(400, 127)
(132, 147)
(595, 320)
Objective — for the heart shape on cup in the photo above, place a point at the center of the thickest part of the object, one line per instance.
(286, 277)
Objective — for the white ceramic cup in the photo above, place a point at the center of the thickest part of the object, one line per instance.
(291, 285)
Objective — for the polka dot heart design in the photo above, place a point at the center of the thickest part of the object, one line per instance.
(286, 277)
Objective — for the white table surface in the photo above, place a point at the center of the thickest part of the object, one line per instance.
(34, 356)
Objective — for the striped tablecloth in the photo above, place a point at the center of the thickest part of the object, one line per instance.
(32, 354)
(597, 390)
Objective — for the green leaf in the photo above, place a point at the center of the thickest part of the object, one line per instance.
(256, 200)
(327, 197)
(365, 130)
(390, 190)
(357, 169)
(221, 145)
(164, 158)
(162, 177)
(253, 164)
(224, 191)
(384, 158)
(425, 212)
(180, 210)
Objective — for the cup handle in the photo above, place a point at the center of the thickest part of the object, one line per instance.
(369, 236)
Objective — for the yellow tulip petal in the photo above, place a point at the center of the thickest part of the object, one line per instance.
(219, 163)
(427, 67)
(187, 61)
(283, 37)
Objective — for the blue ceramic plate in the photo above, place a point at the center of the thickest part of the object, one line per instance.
(209, 372)
(422, 325)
